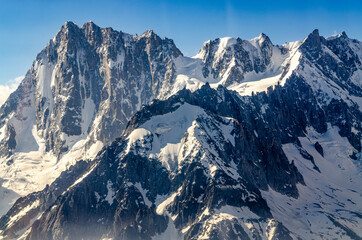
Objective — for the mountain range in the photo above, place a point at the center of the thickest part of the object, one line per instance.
(118, 136)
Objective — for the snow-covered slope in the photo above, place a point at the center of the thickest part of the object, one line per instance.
(331, 199)
(64, 110)
(243, 65)
(88, 82)
(77, 97)
(211, 165)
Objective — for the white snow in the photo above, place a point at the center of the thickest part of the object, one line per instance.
(23, 212)
(98, 197)
(293, 64)
(213, 169)
(224, 44)
(357, 77)
(169, 155)
(327, 88)
(170, 233)
(161, 208)
(109, 196)
(33, 168)
(88, 112)
(250, 222)
(119, 61)
(333, 192)
(189, 74)
(111, 193)
(144, 194)
(260, 82)
(166, 129)
(161, 204)
(44, 74)
(2, 132)
(9, 87)
(189, 70)
(8, 198)
(84, 176)
(136, 135)
(243, 213)
(260, 85)
(24, 120)
(264, 108)
(162, 136)
(272, 228)
(25, 234)
(242, 216)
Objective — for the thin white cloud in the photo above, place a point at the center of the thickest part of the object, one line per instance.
(7, 89)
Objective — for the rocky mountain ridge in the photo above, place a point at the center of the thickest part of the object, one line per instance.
(243, 161)
(64, 110)
(212, 170)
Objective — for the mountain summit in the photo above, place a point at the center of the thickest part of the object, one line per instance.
(118, 136)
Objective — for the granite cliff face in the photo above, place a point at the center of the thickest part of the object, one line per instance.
(89, 81)
(78, 96)
(81, 73)
(184, 159)
(206, 164)
(232, 58)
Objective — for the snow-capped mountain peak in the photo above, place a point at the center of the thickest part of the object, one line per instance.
(168, 145)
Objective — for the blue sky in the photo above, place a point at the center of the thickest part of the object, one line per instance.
(26, 26)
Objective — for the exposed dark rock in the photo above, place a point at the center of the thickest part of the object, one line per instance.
(118, 194)
(319, 148)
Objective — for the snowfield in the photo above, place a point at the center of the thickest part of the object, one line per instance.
(328, 206)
